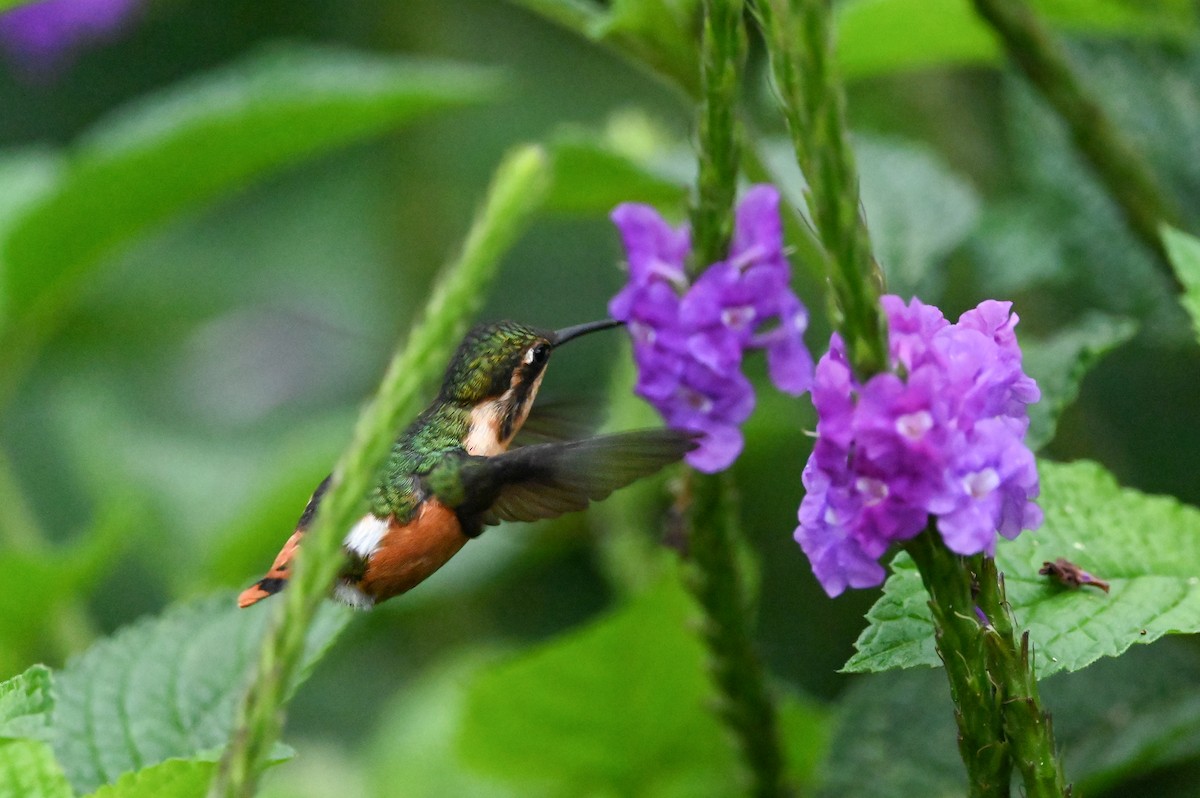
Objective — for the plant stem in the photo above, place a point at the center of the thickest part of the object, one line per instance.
(960, 644)
(745, 704)
(516, 192)
(1027, 726)
(722, 55)
(714, 578)
(1121, 169)
(799, 41)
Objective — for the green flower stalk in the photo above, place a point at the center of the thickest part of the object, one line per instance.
(516, 192)
(799, 41)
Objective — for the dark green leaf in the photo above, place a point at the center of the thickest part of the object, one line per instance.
(917, 209)
(592, 178)
(164, 687)
(25, 704)
(1145, 546)
(208, 137)
(1060, 362)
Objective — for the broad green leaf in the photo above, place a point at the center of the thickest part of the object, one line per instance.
(662, 33)
(174, 778)
(1184, 251)
(25, 704)
(1145, 546)
(1059, 364)
(28, 770)
(163, 687)
(211, 136)
(917, 209)
(592, 178)
(949, 32)
(620, 708)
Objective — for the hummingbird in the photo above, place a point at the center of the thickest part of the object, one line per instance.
(452, 471)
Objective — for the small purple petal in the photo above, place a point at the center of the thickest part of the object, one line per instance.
(42, 38)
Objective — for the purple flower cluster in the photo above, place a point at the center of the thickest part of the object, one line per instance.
(689, 338)
(42, 37)
(942, 435)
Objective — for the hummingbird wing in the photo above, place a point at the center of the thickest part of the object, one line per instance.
(546, 480)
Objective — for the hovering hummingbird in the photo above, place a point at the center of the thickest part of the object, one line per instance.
(451, 472)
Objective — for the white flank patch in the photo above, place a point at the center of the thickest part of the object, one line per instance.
(364, 538)
(350, 595)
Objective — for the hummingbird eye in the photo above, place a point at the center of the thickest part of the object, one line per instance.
(536, 355)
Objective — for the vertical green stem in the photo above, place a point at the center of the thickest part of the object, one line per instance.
(799, 38)
(745, 704)
(1027, 726)
(714, 578)
(960, 644)
(1121, 169)
(515, 194)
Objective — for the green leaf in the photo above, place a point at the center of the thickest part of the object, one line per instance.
(948, 32)
(592, 178)
(1184, 251)
(28, 770)
(25, 704)
(917, 209)
(661, 33)
(553, 719)
(208, 137)
(174, 778)
(1145, 546)
(163, 687)
(1060, 362)
(894, 737)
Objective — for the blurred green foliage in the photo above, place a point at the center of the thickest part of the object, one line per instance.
(213, 230)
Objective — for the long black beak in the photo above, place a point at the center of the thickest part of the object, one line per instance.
(567, 333)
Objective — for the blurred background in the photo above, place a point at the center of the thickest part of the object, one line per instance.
(165, 423)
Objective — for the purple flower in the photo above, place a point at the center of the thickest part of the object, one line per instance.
(689, 338)
(942, 435)
(43, 37)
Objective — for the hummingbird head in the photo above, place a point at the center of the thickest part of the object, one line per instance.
(496, 372)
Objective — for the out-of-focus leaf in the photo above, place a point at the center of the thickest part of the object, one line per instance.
(894, 737)
(28, 770)
(1060, 362)
(1123, 717)
(917, 210)
(163, 687)
(949, 32)
(1145, 546)
(662, 33)
(208, 137)
(174, 778)
(25, 704)
(1184, 251)
(592, 178)
(550, 720)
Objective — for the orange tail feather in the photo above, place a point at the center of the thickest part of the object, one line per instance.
(276, 578)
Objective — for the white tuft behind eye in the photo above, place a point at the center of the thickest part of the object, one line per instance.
(529, 355)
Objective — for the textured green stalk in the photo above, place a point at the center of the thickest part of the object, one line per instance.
(1027, 726)
(960, 644)
(517, 190)
(744, 703)
(722, 55)
(799, 41)
(1121, 169)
